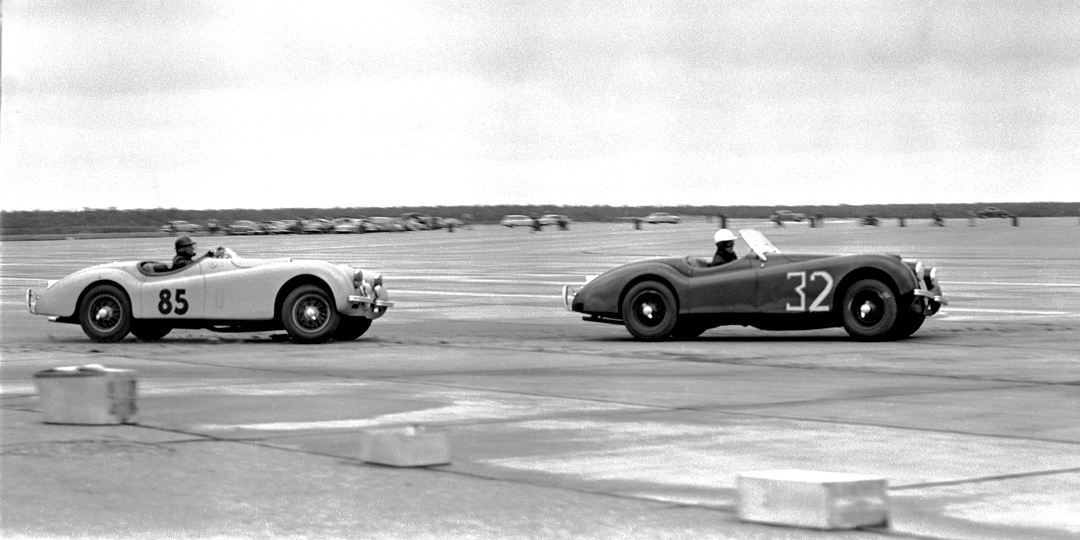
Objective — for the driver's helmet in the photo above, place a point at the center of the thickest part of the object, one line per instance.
(724, 235)
(184, 241)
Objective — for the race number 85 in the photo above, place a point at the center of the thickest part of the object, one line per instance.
(800, 289)
(165, 302)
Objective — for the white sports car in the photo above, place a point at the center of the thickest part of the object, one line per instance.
(313, 301)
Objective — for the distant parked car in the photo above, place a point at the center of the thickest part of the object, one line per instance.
(245, 226)
(787, 215)
(348, 225)
(316, 226)
(516, 220)
(554, 219)
(419, 222)
(661, 217)
(449, 223)
(180, 226)
(385, 224)
(993, 212)
(283, 226)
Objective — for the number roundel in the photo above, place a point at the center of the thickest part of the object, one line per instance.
(818, 304)
(165, 303)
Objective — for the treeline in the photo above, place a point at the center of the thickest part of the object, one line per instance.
(122, 221)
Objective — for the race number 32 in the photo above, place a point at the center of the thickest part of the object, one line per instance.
(165, 302)
(800, 289)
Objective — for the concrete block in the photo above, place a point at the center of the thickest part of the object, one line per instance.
(89, 394)
(405, 447)
(813, 499)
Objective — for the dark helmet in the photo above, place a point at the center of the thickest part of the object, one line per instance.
(184, 241)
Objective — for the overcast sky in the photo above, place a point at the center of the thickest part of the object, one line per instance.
(269, 104)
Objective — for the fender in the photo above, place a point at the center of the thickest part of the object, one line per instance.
(62, 299)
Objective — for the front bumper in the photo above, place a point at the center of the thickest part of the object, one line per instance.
(31, 301)
(371, 302)
(568, 294)
(928, 295)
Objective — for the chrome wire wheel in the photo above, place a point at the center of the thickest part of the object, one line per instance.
(309, 314)
(105, 313)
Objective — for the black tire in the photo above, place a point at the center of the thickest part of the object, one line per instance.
(309, 314)
(869, 310)
(649, 311)
(150, 330)
(687, 330)
(907, 324)
(351, 328)
(105, 314)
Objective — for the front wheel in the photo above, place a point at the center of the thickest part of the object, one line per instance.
(309, 315)
(105, 314)
(649, 311)
(869, 310)
(351, 328)
(907, 324)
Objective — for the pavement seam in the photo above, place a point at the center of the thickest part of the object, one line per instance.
(983, 479)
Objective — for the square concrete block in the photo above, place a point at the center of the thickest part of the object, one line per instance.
(88, 394)
(820, 500)
(405, 447)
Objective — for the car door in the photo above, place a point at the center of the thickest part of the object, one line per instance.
(174, 296)
(729, 288)
(793, 284)
(239, 289)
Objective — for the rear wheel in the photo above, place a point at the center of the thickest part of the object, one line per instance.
(309, 314)
(150, 331)
(869, 310)
(105, 314)
(649, 311)
(351, 328)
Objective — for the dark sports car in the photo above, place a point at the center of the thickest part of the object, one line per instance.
(873, 296)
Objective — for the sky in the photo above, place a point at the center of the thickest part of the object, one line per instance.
(317, 104)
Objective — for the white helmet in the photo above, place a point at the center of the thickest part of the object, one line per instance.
(723, 235)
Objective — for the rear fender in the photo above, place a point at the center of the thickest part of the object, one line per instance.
(64, 297)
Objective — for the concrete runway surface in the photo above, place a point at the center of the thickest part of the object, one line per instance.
(560, 428)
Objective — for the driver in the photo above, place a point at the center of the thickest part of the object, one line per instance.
(725, 247)
(185, 253)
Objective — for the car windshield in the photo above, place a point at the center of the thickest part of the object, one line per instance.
(758, 243)
(223, 252)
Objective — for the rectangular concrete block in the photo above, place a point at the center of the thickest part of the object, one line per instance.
(89, 394)
(405, 447)
(820, 500)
